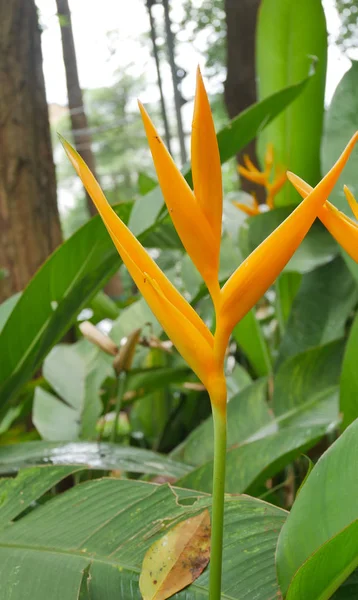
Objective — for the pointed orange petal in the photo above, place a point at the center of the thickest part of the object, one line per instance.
(134, 256)
(189, 220)
(268, 158)
(351, 201)
(277, 184)
(341, 227)
(252, 211)
(205, 161)
(255, 275)
(249, 164)
(254, 176)
(185, 337)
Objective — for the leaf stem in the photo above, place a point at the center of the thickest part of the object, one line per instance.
(219, 417)
(121, 382)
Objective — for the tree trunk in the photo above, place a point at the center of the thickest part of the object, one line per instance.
(240, 85)
(29, 221)
(79, 123)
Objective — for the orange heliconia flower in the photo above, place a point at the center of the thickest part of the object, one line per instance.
(264, 178)
(197, 216)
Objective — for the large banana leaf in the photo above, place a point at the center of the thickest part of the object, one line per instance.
(89, 542)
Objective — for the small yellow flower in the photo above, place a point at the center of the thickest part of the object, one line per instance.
(342, 228)
(197, 218)
(264, 178)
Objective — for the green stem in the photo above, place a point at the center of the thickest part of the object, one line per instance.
(121, 382)
(219, 416)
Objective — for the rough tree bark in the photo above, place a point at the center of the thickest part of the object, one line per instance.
(29, 221)
(79, 123)
(240, 85)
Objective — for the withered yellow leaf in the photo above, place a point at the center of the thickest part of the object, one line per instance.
(176, 559)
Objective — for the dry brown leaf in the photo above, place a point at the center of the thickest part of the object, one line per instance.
(177, 559)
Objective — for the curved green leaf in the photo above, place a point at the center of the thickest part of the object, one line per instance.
(249, 337)
(7, 307)
(89, 455)
(51, 301)
(247, 413)
(325, 570)
(253, 462)
(289, 36)
(326, 505)
(349, 378)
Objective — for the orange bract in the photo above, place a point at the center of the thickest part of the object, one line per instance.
(197, 219)
(341, 227)
(263, 178)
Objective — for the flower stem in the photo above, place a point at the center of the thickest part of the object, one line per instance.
(121, 382)
(219, 416)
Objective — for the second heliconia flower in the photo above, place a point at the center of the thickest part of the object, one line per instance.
(197, 216)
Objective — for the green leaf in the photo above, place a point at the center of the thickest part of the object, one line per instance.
(349, 589)
(303, 377)
(146, 381)
(18, 494)
(259, 445)
(249, 337)
(63, 285)
(137, 315)
(145, 183)
(250, 464)
(90, 455)
(150, 416)
(349, 378)
(54, 419)
(76, 373)
(316, 535)
(340, 124)
(290, 35)
(238, 379)
(287, 286)
(65, 372)
(248, 412)
(320, 310)
(6, 309)
(99, 532)
(233, 138)
(327, 568)
(103, 307)
(317, 248)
